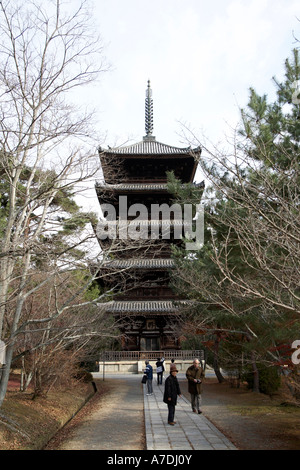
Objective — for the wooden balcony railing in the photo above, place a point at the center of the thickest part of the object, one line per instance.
(184, 355)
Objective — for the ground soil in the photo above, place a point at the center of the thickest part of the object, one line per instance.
(28, 424)
(251, 421)
(113, 420)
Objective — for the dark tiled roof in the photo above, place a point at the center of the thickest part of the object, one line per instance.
(139, 186)
(150, 147)
(164, 224)
(132, 186)
(145, 306)
(139, 263)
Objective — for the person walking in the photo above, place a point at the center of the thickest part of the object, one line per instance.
(159, 370)
(172, 390)
(195, 375)
(163, 363)
(149, 373)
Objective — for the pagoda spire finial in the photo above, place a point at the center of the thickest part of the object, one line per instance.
(149, 113)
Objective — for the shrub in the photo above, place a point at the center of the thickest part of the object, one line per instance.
(83, 376)
(269, 379)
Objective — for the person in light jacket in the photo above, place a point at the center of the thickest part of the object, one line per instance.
(171, 392)
(149, 372)
(195, 375)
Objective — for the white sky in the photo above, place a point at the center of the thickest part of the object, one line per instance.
(201, 58)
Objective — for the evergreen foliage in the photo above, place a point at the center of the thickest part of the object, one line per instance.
(245, 279)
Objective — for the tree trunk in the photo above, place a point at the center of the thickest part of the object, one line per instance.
(255, 374)
(6, 372)
(216, 360)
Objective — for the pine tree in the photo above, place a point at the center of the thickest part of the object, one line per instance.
(246, 277)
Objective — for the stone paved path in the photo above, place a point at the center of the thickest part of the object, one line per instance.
(191, 431)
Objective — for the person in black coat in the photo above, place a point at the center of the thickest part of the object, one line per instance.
(159, 370)
(172, 390)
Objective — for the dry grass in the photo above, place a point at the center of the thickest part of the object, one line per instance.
(27, 424)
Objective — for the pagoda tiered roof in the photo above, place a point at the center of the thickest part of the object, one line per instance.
(139, 263)
(151, 147)
(138, 186)
(145, 306)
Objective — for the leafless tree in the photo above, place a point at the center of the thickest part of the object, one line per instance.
(57, 334)
(266, 225)
(47, 143)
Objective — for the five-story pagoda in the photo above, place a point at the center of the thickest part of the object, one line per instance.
(138, 267)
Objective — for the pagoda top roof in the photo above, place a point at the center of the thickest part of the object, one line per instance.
(150, 146)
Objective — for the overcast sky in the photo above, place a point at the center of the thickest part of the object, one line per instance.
(201, 58)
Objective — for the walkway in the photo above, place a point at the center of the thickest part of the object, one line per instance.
(191, 431)
(118, 422)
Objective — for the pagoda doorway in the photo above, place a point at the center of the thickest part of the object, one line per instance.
(150, 344)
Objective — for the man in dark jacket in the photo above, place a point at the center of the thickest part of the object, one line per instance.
(172, 390)
(195, 375)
